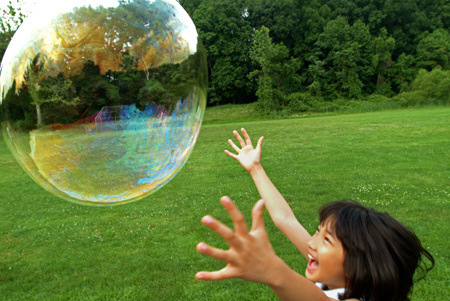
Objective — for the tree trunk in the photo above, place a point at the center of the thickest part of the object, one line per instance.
(38, 112)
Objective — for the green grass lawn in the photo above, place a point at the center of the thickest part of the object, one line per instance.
(397, 161)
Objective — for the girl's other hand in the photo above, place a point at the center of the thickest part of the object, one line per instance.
(248, 157)
(250, 256)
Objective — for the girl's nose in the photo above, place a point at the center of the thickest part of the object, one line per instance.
(311, 243)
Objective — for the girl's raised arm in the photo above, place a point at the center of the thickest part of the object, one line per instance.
(279, 210)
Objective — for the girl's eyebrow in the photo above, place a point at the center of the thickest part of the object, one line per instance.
(330, 230)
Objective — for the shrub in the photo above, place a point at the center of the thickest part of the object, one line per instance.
(377, 98)
(428, 88)
(434, 85)
(298, 102)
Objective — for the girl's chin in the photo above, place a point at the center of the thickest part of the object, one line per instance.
(309, 275)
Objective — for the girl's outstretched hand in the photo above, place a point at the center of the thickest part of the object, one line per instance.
(250, 256)
(248, 156)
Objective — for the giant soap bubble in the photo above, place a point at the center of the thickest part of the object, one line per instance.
(102, 100)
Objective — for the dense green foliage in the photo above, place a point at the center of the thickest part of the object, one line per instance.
(394, 161)
(306, 55)
(297, 56)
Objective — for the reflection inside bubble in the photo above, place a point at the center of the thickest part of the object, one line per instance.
(103, 105)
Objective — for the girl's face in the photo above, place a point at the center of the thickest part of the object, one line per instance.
(326, 258)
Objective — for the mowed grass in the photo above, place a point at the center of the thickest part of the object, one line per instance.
(395, 161)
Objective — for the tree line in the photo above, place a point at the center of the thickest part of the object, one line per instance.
(304, 55)
(313, 55)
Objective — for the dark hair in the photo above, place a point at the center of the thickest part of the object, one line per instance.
(381, 253)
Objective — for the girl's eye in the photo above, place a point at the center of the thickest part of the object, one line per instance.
(327, 240)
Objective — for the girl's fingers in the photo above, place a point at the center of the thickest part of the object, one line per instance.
(257, 216)
(236, 216)
(234, 146)
(225, 232)
(246, 136)
(234, 268)
(231, 154)
(259, 144)
(215, 253)
(239, 138)
(224, 273)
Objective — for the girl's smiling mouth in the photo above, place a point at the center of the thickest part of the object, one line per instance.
(313, 264)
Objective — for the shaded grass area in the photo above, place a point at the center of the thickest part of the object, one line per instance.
(231, 113)
(397, 161)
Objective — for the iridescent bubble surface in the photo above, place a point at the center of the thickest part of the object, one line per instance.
(102, 101)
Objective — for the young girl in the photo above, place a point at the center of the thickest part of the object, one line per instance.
(357, 253)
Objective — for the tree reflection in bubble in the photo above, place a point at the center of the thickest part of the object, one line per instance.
(102, 101)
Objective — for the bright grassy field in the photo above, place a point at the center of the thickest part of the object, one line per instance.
(398, 161)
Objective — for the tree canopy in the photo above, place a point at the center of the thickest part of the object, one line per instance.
(328, 49)
(275, 50)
